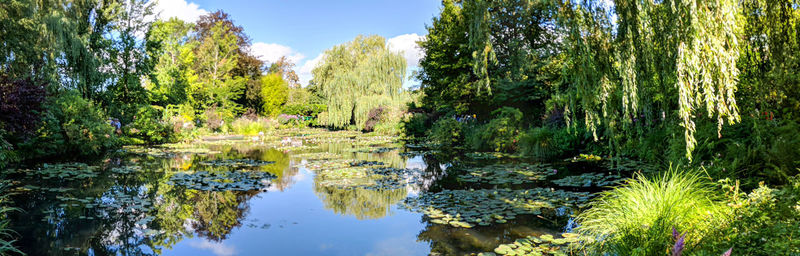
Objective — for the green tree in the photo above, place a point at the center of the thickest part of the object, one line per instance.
(274, 93)
(126, 93)
(667, 62)
(168, 45)
(356, 77)
(216, 58)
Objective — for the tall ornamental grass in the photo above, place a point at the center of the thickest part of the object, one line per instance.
(654, 216)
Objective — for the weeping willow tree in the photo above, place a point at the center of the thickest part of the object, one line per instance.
(357, 77)
(661, 63)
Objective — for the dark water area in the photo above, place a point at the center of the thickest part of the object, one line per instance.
(251, 197)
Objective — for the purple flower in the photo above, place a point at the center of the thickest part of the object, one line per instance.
(675, 233)
(728, 252)
(677, 250)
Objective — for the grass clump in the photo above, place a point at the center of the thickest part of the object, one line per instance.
(6, 234)
(648, 216)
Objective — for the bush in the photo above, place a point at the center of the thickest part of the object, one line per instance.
(638, 218)
(71, 125)
(766, 221)
(20, 105)
(246, 126)
(415, 126)
(373, 118)
(302, 109)
(501, 133)
(7, 153)
(147, 127)
(448, 134)
(547, 143)
(761, 150)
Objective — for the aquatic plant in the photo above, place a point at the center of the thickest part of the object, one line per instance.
(6, 234)
(588, 180)
(466, 208)
(637, 217)
(536, 246)
(500, 174)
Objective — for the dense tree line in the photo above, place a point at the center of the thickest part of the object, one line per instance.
(83, 76)
(664, 81)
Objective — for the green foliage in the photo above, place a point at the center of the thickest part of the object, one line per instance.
(416, 125)
(71, 125)
(357, 77)
(249, 127)
(216, 59)
(148, 127)
(667, 63)
(638, 217)
(548, 143)
(6, 234)
(7, 154)
(502, 133)
(765, 221)
(447, 134)
(169, 80)
(303, 109)
(274, 91)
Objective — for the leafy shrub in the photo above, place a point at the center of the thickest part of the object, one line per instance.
(20, 105)
(638, 218)
(761, 150)
(415, 125)
(71, 125)
(448, 134)
(213, 119)
(502, 133)
(7, 153)
(147, 126)
(373, 118)
(249, 127)
(547, 143)
(388, 128)
(302, 109)
(766, 221)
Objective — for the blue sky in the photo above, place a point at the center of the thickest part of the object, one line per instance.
(303, 30)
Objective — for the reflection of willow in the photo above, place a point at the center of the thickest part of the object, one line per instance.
(281, 168)
(217, 213)
(360, 202)
(391, 158)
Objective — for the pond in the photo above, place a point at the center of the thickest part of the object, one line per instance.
(296, 192)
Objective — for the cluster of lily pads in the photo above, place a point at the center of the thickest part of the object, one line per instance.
(223, 181)
(508, 173)
(65, 172)
(536, 246)
(488, 155)
(368, 178)
(237, 163)
(621, 164)
(588, 180)
(466, 208)
(115, 202)
(375, 150)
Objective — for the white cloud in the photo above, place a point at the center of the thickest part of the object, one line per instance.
(407, 44)
(305, 70)
(218, 249)
(270, 53)
(181, 9)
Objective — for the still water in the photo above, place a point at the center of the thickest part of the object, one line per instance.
(278, 195)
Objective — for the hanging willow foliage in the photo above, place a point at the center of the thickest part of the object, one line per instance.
(356, 77)
(664, 57)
